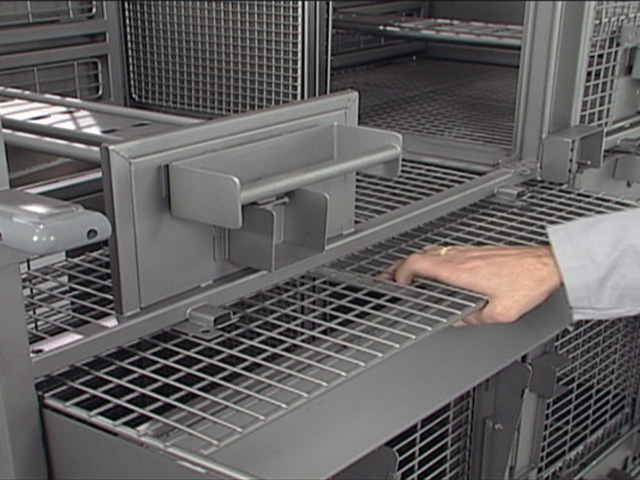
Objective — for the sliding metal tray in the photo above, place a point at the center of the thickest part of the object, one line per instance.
(434, 29)
(300, 356)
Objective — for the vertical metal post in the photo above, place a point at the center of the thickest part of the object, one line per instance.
(552, 69)
(118, 85)
(22, 453)
(4, 167)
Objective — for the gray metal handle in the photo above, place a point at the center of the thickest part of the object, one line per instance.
(279, 184)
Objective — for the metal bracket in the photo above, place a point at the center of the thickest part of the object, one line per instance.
(501, 407)
(381, 464)
(204, 321)
(565, 152)
(544, 374)
(629, 36)
(509, 195)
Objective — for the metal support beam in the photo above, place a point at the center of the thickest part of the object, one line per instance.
(498, 410)
(4, 168)
(22, 453)
(551, 71)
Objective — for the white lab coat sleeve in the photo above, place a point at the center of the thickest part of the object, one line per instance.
(599, 260)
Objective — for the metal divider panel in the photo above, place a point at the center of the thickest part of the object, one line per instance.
(452, 100)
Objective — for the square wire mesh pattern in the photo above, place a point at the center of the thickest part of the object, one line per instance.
(598, 406)
(607, 59)
(452, 100)
(216, 58)
(439, 446)
(21, 13)
(81, 79)
(376, 196)
(280, 347)
(66, 295)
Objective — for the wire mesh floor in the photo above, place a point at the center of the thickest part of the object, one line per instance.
(294, 340)
(452, 100)
(281, 346)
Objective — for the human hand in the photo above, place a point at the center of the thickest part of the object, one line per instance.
(515, 279)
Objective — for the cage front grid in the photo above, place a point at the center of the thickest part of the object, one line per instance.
(215, 58)
(295, 339)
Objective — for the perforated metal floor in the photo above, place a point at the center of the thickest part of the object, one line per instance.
(452, 100)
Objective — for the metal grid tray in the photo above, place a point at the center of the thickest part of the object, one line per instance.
(376, 196)
(281, 346)
(450, 100)
(439, 446)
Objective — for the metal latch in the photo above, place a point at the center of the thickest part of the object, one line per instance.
(204, 321)
(544, 374)
(509, 195)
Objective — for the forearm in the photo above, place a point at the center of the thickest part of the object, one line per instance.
(599, 261)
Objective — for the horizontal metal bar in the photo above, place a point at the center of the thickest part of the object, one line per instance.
(48, 131)
(31, 58)
(379, 25)
(49, 32)
(52, 146)
(279, 184)
(100, 107)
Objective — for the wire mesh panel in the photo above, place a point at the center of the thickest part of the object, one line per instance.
(597, 407)
(66, 297)
(607, 59)
(439, 446)
(20, 13)
(215, 57)
(452, 100)
(376, 196)
(83, 79)
(278, 348)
